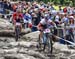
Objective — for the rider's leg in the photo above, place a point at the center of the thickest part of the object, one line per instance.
(44, 38)
(41, 35)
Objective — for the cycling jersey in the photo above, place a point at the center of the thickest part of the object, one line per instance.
(17, 17)
(45, 23)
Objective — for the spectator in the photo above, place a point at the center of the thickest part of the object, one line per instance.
(9, 6)
(65, 10)
(60, 9)
(2, 6)
(1, 3)
(74, 11)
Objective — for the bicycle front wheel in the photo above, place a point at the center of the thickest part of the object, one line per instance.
(40, 45)
(49, 44)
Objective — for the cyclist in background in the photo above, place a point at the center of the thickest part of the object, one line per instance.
(17, 17)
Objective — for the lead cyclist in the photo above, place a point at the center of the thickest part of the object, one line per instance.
(17, 17)
(44, 24)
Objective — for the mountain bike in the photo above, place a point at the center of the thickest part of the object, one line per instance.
(17, 31)
(45, 42)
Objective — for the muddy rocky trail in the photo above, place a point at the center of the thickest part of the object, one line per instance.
(25, 48)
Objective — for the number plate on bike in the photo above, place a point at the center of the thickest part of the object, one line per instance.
(47, 31)
(18, 23)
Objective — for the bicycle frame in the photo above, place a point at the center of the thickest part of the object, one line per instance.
(47, 40)
(45, 35)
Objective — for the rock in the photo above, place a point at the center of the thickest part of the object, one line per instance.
(5, 47)
(35, 54)
(11, 33)
(1, 57)
(27, 44)
(72, 56)
(22, 50)
(17, 56)
(10, 40)
(13, 56)
(63, 58)
(68, 51)
(5, 39)
(26, 30)
(11, 51)
(31, 36)
(1, 52)
(52, 56)
(12, 44)
(60, 54)
(4, 24)
(2, 44)
(32, 53)
(7, 28)
(1, 39)
(22, 44)
(59, 46)
(29, 57)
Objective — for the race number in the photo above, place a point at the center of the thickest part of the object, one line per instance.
(47, 31)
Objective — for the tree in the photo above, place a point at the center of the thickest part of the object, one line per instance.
(62, 2)
(73, 1)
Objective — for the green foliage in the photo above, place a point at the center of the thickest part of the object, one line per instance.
(61, 2)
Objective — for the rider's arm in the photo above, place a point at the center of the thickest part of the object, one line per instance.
(38, 26)
(42, 22)
(52, 23)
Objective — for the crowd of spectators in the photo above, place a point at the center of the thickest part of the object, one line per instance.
(33, 12)
(5, 5)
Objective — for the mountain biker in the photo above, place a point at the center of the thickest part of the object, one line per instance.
(17, 17)
(45, 21)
